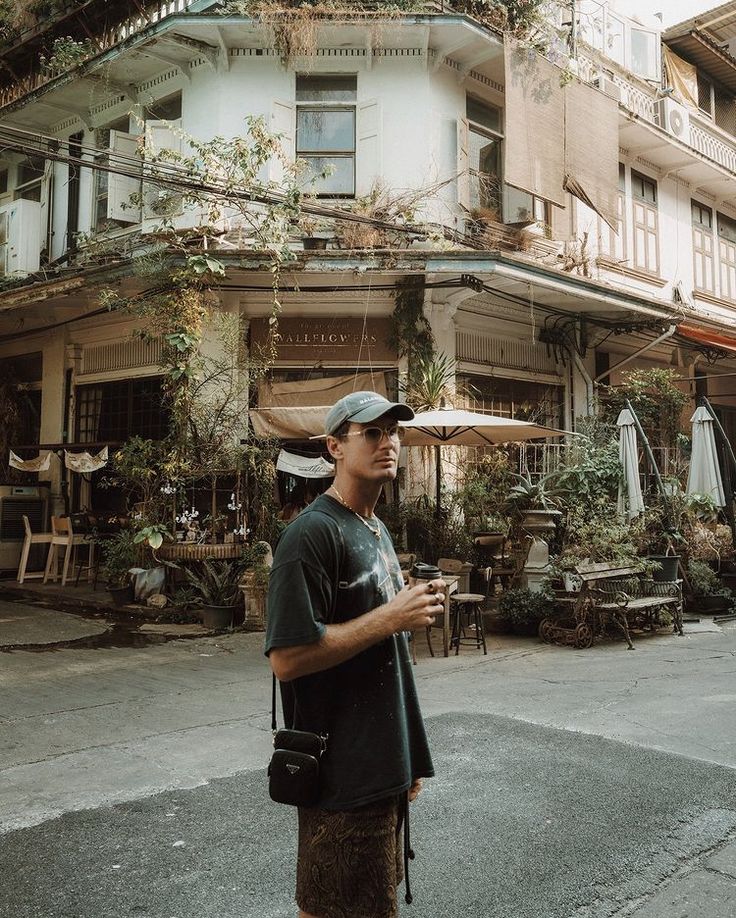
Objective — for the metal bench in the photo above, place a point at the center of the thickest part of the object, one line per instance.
(611, 594)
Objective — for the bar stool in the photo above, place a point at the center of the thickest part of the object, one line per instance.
(471, 606)
(31, 538)
(62, 536)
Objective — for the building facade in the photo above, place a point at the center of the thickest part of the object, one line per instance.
(565, 234)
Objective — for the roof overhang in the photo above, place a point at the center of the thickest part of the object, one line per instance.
(699, 49)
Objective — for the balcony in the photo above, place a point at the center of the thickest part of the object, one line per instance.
(672, 137)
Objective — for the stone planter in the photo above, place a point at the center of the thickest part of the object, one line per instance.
(254, 595)
(540, 520)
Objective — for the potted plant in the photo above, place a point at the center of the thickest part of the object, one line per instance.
(216, 585)
(533, 503)
(308, 226)
(708, 593)
(120, 553)
(525, 609)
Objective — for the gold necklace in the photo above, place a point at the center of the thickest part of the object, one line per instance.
(376, 533)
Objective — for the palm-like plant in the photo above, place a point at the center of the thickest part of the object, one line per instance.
(217, 583)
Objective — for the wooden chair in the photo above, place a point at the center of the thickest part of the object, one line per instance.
(31, 538)
(62, 536)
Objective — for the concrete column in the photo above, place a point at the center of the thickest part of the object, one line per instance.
(52, 409)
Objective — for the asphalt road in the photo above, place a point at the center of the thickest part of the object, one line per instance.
(524, 820)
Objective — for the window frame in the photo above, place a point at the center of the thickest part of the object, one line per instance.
(21, 188)
(325, 105)
(643, 227)
(474, 173)
(102, 156)
(703, 255)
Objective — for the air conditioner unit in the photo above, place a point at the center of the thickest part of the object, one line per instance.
(20, 237)
(608, 86)
(15, 502)
(674, 118)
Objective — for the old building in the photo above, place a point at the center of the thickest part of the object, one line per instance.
(578, 216)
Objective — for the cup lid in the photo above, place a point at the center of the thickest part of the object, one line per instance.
(422, 571)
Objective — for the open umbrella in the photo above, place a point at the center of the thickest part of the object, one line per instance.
(457, 427)
(630, 500)
(705, 474)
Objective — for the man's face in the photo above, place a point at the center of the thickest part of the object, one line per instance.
(366, 456)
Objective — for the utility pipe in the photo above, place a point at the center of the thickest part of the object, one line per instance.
(583, 370)
(642, 350)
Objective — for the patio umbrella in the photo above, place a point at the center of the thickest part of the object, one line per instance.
(457, 427)
(704, 476)
(630, 500)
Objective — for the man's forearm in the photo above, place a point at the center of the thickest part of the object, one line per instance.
(338, 643)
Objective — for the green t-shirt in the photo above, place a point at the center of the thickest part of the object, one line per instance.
(328, 568)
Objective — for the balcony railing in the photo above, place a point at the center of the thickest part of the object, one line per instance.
(644, 101)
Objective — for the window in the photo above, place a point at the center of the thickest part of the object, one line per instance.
(703, 264)
(484, 152)
(645, 53)
(646, 225)
(30, 179)
(325, 132)
(727, 256)
(166, 109)
(705, 94)
(3, 181)
(116, 411)
(114, 210)
(612, 243)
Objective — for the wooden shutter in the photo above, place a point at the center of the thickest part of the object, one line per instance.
(159, 201)
(124, 152)
(283, 123)
(368, 166)
(463, 163)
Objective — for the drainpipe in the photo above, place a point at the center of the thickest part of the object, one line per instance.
(583, 370)
(642, 350)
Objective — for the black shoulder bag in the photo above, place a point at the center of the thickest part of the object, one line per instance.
(293, 772)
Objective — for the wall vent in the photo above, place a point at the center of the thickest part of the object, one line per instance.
(131, 354)
(488, 350)
(158, 80)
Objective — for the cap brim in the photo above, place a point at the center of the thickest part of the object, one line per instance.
(397, 410)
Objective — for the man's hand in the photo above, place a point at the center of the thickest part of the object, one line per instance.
(416, 607)
(415, 790)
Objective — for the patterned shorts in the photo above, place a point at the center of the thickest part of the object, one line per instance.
(350, 862)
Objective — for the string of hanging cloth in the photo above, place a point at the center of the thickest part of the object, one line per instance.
(77, 462)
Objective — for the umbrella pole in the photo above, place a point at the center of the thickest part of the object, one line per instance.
(652, 461)
(729, 452)
(437, 480)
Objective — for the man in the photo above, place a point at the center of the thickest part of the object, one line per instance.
(338, 614)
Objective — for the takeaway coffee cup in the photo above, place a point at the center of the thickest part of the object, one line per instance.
(421, 571)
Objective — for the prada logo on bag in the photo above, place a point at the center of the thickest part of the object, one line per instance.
(293, 769)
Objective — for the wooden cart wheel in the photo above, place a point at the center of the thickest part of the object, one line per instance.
(546, 630)
(583, 635)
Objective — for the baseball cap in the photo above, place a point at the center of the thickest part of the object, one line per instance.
(362, 407)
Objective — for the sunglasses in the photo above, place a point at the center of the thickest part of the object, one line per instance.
(373, 436)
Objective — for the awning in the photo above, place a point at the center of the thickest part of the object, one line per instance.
(304, 466)
(697, 48)
(708, 338)
(289, 423)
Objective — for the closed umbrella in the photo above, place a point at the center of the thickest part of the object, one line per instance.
(705, 474)
(630, 499)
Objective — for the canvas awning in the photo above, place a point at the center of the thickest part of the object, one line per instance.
(298, 423)
(304, 466)
(707, 337)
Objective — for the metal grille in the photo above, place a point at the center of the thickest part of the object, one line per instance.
(12, 510)
(503, 352)
(122, 355)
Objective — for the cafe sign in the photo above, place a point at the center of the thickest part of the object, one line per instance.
(309, 340)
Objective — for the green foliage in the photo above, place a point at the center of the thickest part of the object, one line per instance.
(153, 535)
(258, 462)
(433, 536)
(430, 382)
(411, 333)
(524, 608)
(704, 580)
(119, 554)
(656, 398)
(591, 472)
(215, 583)
(595, 533)
(67, 53)
(532, 494)
(482, 496)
